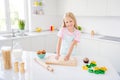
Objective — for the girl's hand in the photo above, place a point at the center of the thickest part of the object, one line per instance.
(67, 57)
(57, 56)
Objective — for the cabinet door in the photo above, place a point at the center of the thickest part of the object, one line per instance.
(5, 43)
(113, 8)
(83, 7)
(111, 51)
(51, 42)
(97, 7)
(25, 43)
(38, 43)
(79, 7)
(88, 47)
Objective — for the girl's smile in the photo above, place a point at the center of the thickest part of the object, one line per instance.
(69, 24)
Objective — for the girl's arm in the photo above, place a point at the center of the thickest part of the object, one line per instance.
(74, 42)
(58, 47)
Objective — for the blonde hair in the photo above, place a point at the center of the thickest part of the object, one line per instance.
(70, 15)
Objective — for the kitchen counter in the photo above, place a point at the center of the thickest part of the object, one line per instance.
(34, 71)
(83, 35)
(26, 35)
(101, 37)
(117, 39)
(2, 38)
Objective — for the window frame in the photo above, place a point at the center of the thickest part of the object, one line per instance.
(7, 16)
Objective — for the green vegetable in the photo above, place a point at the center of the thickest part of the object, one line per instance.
(21, 24)
(99, 72)
(80, 28)
(92, 65)
(90, 70)
(40, 3)
(96, 71)
(89, 66)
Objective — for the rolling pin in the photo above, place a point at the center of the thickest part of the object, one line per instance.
(49, 68)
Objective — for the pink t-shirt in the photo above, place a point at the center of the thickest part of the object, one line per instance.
(67, 38)
(65, 31)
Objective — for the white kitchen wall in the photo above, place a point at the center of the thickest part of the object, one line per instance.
(109, 25)
(103, 16)
(103, 23)
(46, 20)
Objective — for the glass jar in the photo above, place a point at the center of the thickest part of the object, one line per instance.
(6, 57)
(17, 51)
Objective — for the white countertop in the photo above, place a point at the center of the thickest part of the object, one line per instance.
(27, 34)
(72, 73)
(101, 37)
(34, 71)
(2, 38)
(83, 35)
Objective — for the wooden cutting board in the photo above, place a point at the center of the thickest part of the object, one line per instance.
(51, 60)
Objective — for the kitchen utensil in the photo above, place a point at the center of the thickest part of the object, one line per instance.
(39, 61)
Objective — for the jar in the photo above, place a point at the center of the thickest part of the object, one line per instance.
(17, 52)
(6, 57)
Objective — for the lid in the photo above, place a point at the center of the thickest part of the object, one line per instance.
(6, 48)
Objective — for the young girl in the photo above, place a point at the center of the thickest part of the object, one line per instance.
(68, 37)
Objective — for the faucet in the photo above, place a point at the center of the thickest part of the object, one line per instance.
(14, 31)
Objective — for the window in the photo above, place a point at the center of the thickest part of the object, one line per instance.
(10, 12)
(2, 16)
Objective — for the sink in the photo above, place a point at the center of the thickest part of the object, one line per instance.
(8, 36)
(111, 38)
(11, 36)
(86, 35)
(22, 34)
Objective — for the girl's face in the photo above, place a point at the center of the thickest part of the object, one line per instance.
(69, 23)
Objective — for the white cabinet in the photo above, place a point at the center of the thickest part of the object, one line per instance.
(113, 8)
(88, 47)
(96, 7)
(79, 7)
(38, 43)
(5, 43)
(47, 42)
(51, 42)
(100, 48)
(25, 43)
(103, 7)
(111, 51)
(83, 7)
(89, 7)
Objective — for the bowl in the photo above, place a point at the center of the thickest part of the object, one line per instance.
(41, 56)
